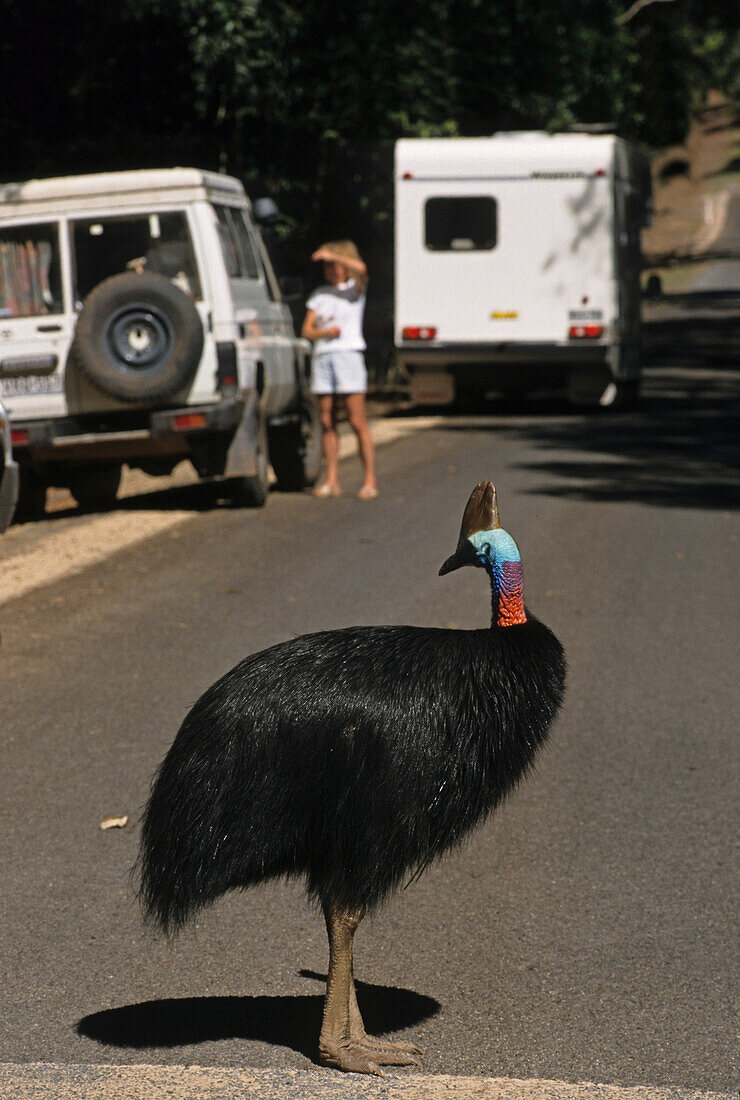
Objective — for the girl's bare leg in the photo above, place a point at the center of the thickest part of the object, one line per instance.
(329, 439)
(357, 415)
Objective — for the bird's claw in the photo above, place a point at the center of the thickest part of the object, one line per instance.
(398, 1048)
(350, 1057)
(369, 1055)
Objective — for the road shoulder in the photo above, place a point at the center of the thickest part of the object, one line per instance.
(146, 1082)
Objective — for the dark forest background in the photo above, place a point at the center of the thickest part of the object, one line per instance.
(303, 100)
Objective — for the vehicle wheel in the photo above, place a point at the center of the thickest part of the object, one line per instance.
(95, 487)
(514, 400)
(468, 397)
(138, 337)
(295, 449)
(621, 395)
(31, 495)
(251, 490)
(597, 388)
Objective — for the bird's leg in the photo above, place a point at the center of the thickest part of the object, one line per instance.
(343, 1042)
(336, 1046)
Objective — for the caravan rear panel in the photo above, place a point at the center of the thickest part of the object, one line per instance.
(508, 254)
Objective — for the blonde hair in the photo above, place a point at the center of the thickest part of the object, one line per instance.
(342, 248)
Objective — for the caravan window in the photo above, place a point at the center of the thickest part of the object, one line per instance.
(460, 224)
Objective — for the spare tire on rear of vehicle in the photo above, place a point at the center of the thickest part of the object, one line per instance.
(138, 337)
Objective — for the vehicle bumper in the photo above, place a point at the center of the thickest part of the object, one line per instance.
(133, 435)
(439, 373)
(452, 356)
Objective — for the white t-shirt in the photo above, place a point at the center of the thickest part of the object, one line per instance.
(343, 306)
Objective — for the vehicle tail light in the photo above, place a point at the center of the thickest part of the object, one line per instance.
(419, 332)
(189, 420)
(18, 436)
(585, 332)
(226, 371)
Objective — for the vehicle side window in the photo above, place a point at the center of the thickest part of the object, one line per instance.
(272, 284)
(227, 242)
(236, 244)
(244, 241)
(143, 242)
(30, 270)
(460, 223)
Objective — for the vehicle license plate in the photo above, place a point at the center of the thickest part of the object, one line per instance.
(29, 384)
(432, 388)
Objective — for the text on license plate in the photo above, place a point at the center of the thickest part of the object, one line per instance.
(29, 384)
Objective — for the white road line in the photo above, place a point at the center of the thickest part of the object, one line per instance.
(47, 1081)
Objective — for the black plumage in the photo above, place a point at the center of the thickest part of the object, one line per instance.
(353, 758)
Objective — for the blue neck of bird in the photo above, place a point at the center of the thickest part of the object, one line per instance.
(498, 554)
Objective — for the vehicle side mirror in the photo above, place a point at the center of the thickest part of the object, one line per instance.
(265, 211)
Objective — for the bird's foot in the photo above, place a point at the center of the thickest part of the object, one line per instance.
(412, 1054)
(368, 1055)
(350, 1057)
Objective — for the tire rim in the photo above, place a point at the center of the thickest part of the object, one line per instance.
(139, 336)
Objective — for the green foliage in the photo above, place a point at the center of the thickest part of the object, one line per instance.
(304, 98)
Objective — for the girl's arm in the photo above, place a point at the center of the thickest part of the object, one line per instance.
(357, 268)
(310, 331)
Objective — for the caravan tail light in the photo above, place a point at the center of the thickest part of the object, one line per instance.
(585, 332)
(416, 332)
(18, 437)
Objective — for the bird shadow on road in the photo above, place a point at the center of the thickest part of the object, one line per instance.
(288, 1021)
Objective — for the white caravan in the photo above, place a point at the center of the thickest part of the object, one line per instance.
(518, 263)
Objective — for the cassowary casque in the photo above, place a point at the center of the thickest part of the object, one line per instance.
(353, 758)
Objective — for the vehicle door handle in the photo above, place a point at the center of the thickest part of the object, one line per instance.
(48, 328)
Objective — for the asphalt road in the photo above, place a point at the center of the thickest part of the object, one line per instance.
(584, 934)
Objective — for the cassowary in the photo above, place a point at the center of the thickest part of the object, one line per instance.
(353, 758)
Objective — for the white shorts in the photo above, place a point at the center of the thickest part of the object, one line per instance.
(338, 372)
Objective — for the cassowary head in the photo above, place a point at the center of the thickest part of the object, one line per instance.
(484, 543)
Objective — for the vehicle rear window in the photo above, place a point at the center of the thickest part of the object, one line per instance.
(142, 242)
(30, 271)
(460, 223)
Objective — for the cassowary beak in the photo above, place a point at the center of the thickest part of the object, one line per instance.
(481, 514)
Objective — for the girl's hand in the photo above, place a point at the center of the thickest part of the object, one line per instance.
(313, 329)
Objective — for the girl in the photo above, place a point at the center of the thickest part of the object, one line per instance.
(334, 325)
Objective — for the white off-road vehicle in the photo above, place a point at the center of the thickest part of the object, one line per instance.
(141, 322)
